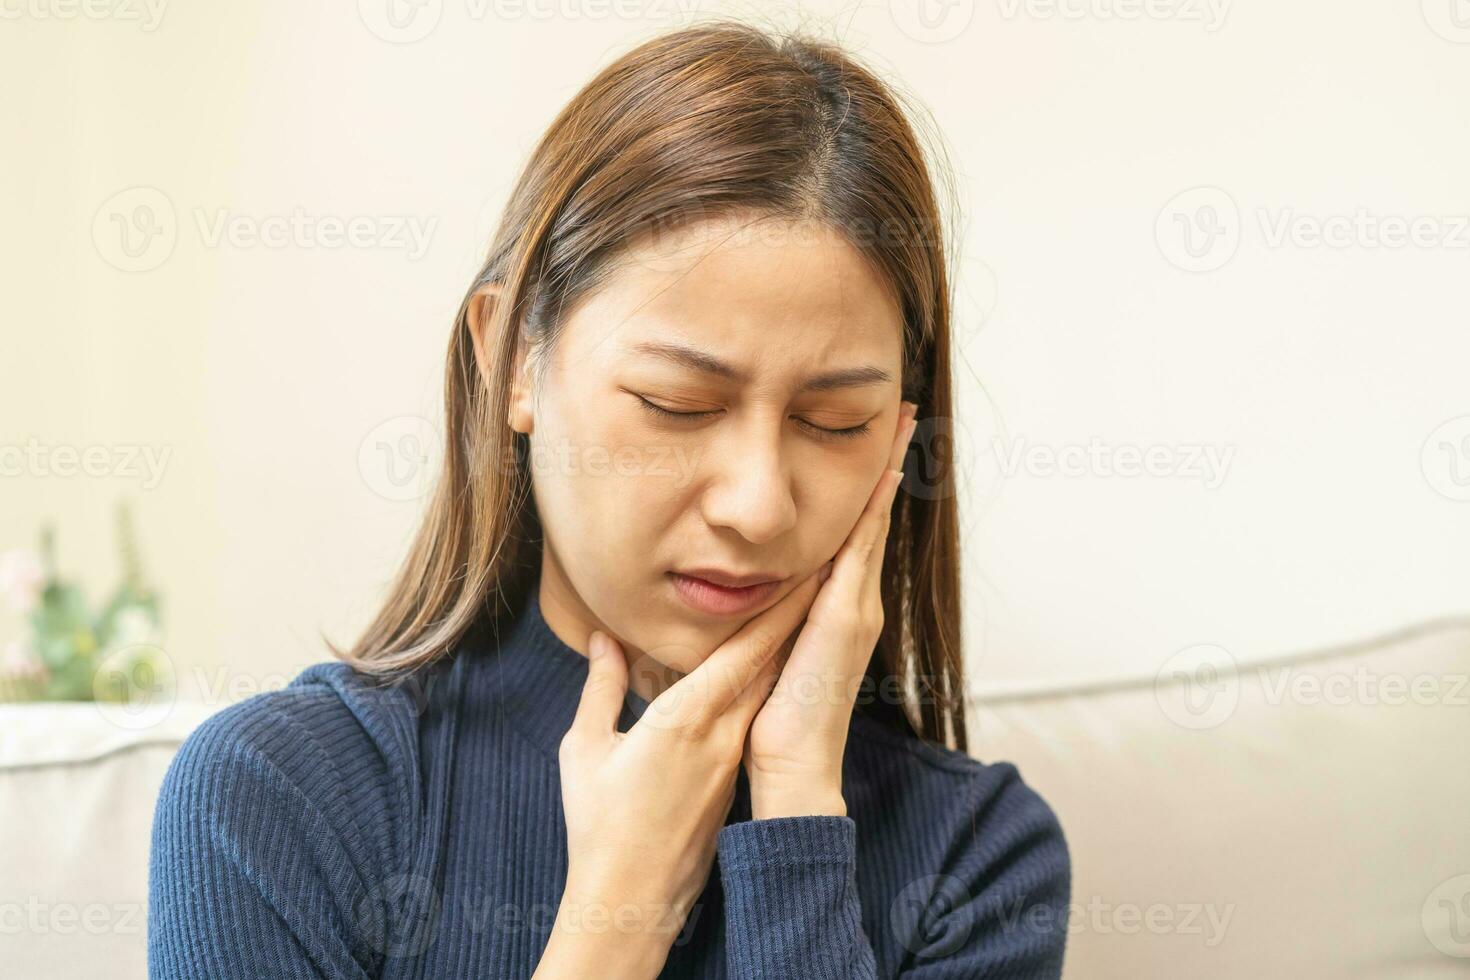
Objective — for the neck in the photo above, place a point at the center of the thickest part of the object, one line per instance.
(569, 618)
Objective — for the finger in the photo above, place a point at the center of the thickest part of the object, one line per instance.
(907, 423)
(750, 699)
(870, 532)
(873, 569)
(708, 690)
(604, 689)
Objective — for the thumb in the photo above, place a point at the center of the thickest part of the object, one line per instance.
(605, 687)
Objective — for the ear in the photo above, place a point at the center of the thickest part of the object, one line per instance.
(480, 314)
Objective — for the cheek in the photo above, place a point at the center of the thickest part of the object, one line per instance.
(831, 509)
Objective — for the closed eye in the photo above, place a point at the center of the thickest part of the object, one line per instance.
(821, 432)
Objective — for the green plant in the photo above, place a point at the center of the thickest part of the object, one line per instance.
(69, 653)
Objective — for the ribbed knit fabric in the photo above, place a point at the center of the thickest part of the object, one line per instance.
(340, 829)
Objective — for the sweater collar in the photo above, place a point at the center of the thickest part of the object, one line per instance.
(538, 679)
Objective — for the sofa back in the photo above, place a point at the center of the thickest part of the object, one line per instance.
(1300, 819)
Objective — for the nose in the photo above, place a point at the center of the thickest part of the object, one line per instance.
(747, 487)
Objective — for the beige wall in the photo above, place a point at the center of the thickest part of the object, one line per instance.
(1320, 375)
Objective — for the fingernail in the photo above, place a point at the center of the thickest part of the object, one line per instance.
(594, 644)
(824, 572)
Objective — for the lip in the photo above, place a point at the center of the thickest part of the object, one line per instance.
(718, 576)
(708, 597)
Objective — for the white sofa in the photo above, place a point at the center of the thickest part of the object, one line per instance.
(1307, 818)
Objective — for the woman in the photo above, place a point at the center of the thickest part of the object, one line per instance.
(668, 609)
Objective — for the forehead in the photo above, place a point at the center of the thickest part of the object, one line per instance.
(768, 294)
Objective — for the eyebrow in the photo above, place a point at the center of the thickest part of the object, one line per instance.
(699, 360)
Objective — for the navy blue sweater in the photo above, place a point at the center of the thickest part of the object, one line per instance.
(339, 828)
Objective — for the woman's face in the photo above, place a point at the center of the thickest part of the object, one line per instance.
(788, 348)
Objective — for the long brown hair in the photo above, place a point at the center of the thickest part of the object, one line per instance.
(709, 120)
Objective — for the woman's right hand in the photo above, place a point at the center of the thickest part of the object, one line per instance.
(644, 808)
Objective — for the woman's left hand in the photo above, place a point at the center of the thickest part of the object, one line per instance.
(794, 747)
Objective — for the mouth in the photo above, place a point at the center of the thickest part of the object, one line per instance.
(721, 599)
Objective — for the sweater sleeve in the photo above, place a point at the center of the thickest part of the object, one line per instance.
(257, 863)
(999, 909)
(791, 901)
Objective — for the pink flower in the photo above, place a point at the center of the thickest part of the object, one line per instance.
(18, 662)
(22, 577)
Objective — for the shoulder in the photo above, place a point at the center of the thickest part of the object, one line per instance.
(333, 753)
(978, 836)
(995, 792)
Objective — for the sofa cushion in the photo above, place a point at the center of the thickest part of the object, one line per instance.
(78, 782)
(1298, 818)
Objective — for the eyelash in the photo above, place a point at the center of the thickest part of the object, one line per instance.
(823, 433)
